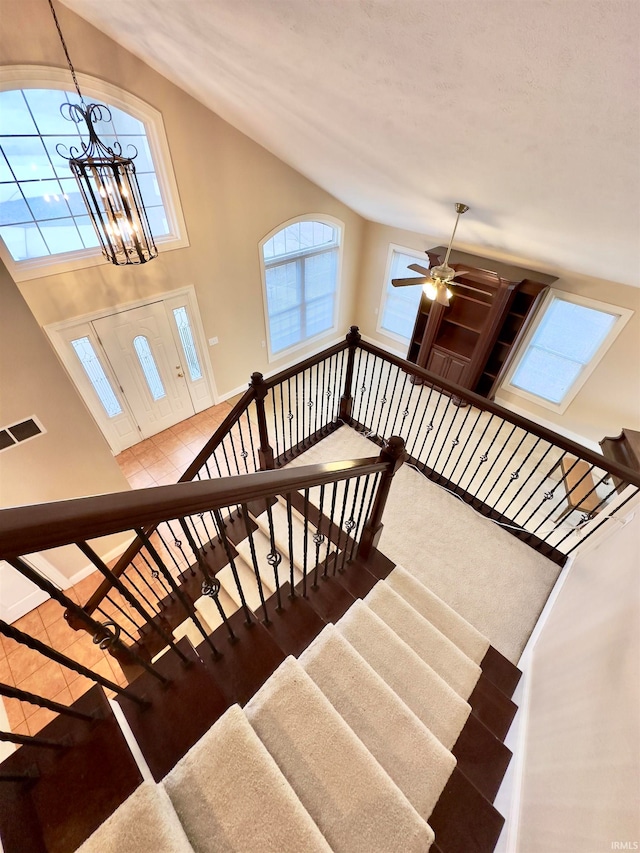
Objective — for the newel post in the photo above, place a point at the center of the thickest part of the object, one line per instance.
(395, 454)
(265, 451)
(346, 401)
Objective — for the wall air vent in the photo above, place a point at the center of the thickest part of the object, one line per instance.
(16, 433)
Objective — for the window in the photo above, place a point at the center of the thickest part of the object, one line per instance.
(572, 335)
(44, 225)
(95, 373)
(400, 304)
(188, 344)
(301, 281)
(149, 367)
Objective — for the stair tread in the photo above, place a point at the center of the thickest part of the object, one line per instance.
(248, 582)
(439, 613)
(244, 802)
(350, 797)
(430, 698)
(447, 659)
(145, 822)
(280, 519)
(163, 731)
(412, 756)
(501, 671)
(206, 606)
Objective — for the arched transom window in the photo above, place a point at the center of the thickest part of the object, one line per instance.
(301, 282)
(43, 219)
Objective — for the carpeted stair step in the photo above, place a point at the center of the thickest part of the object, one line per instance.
(262, 548)
(412, 756)
(430, 698)
(475, 645)
(230, 796)
(248, 582)
(452, 664)
(280, 518)
(208, 611)
(487, 701)
(355, 804)
(444, 618)
(145, 823)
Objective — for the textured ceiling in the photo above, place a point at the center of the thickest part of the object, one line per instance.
(527, 110)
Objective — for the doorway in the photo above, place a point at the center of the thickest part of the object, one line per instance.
(141, 368)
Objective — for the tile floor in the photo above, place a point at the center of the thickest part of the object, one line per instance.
(156, 461)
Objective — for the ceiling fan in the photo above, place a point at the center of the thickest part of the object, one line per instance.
(437, 280)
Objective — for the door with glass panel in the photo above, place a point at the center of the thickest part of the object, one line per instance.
(143, 355)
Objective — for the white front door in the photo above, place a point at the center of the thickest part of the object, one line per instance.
(141, 349)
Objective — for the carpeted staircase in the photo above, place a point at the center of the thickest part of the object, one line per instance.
(359, 744)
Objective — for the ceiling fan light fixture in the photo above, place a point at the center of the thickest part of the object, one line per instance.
(430, 290)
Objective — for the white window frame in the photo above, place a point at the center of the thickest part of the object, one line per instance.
(403, 250)
(42, 77)
(309, 217)
(623, 316)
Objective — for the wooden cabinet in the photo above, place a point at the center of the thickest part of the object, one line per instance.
(471, 342)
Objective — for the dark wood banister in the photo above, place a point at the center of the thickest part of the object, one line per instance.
(274, 380)
(26, 529)
(627, 474)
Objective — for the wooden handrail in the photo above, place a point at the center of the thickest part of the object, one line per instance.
(627, 474)
(274, 380)
(26, 529)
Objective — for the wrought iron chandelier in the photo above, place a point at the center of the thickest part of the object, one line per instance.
(108, 183)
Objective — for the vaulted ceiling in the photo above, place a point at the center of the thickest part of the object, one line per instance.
(526, 110)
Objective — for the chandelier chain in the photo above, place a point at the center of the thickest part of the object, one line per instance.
(66, 52)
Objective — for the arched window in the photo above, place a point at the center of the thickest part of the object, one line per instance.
(44, 224)
(301, 264)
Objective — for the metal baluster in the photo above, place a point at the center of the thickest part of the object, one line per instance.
(304, 406)
(345, 499)
(223, 447)
(385, 434)
(254, 560)
(172, 555)
(506, 464)
(69, 663)
(24, 696)
(215, 459)
(371, 396)
(154, 606)
(384, 399)
(425, 412)
(244, 453)
(155, 575)
(178, 543)
(232, 564)
(324, 416)
(439, 427)
(148, 617)
(186, 602)
(517, 473)
(291, 551)
(275, 421)
(253, 446)
(318, 537)
(350, 524)
(305, 543)
(151, 589)
(473, 453)
(547, 496)
(356, 386)
(456, 441)
(470, 435)
(297, 415)
(400, 405)
(315, 401)
(337, 387)
(234, 451)
(588, 473)
(484, 457)
(110, 617)
(274, 557)
(282, 421)
(362, 516)
(434, 467)
(406, 410)
(331, 529)
(587, 516)
(502, 447)
(603, 521)
(28, 740)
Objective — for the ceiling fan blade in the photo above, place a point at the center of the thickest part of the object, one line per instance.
(406, 282)
(418, 268)
(461, 272)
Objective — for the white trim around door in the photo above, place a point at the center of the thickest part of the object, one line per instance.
(115, 394)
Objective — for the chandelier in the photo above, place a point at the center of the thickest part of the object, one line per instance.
(108, 183)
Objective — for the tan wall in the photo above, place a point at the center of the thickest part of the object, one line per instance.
(233, 192)
(72, 458)
(609, 399)
(582, 783)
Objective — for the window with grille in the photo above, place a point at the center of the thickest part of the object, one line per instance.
(400, 304)
(43, 220)
(301, 282)
(568, 341)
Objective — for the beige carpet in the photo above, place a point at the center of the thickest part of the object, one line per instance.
(496, 582)
(415, 759)
(144, 823)
(231, 797)
(356, 805)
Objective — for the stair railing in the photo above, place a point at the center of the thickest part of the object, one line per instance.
(211, 518)
(517, 473)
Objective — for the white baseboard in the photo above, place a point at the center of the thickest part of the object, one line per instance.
(42, 564)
